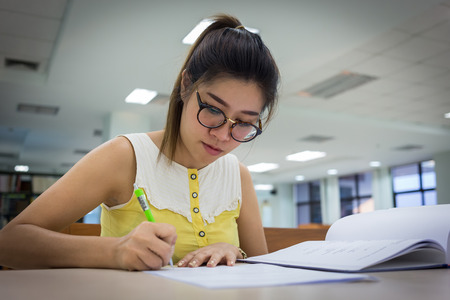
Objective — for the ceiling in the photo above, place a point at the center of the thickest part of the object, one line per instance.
(90, 55)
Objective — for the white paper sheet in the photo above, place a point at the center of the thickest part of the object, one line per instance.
(252, 275)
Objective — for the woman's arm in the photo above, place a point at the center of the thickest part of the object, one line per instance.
(251, 232)
(105, 175)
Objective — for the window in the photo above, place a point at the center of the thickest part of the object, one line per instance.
(414, 184)
(356, 194)
(307, 197)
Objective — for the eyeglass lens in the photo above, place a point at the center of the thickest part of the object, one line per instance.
(213, 117)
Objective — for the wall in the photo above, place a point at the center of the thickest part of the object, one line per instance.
(442, 169)
(277, 208)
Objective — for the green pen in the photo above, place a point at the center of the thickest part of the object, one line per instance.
(143, 202)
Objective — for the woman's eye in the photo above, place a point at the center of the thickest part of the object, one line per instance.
(244, 125)
(214, 110)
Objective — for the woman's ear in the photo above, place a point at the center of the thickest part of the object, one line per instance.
(185, 83)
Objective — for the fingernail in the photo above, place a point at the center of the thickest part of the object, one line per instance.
(180, 263)
(193, 263)
(211, 263)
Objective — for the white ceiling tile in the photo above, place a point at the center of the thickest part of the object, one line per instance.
(45, 8)
(440, 32)
(417, 49)
(348, 60)
(19, 47)
(387, 113)
(442, 59)
(430, 18)
(418, 73)
(380, 66)
(442, 109)
(28, 26)
(385, 41)
(382, 102)
(421, 105)
(439, 98)
(397, 101)
(442, 81)
(416, 91)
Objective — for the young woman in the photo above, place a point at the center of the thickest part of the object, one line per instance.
(202, 198)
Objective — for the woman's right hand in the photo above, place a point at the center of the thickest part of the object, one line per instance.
(147, 247)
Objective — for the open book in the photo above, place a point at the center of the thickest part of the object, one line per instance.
(384, 240)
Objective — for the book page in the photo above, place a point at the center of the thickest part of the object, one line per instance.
(348, 256)
(424, 222)
(251, 275)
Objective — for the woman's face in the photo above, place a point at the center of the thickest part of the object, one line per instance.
(239, 100)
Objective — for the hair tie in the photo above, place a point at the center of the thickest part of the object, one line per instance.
(240, 27)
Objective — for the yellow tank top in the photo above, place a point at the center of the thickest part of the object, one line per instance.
(203, 205)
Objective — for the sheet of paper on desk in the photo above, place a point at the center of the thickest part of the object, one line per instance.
(252, 275)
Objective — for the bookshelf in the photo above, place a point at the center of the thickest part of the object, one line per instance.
(18, 190)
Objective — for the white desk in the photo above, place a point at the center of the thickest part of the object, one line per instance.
(83, 284)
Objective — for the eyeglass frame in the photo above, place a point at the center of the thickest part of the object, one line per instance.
(203, 105)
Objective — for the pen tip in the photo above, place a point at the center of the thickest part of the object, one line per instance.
(135, 186)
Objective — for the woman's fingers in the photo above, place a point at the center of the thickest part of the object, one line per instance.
(212, 255)
(148, 246)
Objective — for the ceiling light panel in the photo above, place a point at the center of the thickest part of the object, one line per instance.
(305, 155)
(264, 187)
(141, 96)
(262, 167)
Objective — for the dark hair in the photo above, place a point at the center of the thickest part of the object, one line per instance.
(225, 48)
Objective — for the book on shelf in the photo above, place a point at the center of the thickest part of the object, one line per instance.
(383, 240)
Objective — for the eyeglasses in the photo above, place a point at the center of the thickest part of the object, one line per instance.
(212, 117)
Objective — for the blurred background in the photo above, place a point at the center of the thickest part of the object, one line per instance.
(365, 94)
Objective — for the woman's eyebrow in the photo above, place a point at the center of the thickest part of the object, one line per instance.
(222, 102)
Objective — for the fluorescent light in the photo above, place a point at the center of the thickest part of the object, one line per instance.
(264, 187)
(21, 168)
(305, 155)
(190, 38)
(428, 164)
(262, 167)
(332, 172)
(375, 164)
(299, 178)
(447, 115)
(141, 96)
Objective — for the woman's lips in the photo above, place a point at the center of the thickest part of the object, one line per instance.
(212, 150)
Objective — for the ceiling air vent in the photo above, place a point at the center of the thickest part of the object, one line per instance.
(337, 84)
(408, 147)
(315, 138)
(19, 64)
(81, 151)
(38, 109)
(9, 155)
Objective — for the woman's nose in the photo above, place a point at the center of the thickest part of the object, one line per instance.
(222, 133)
